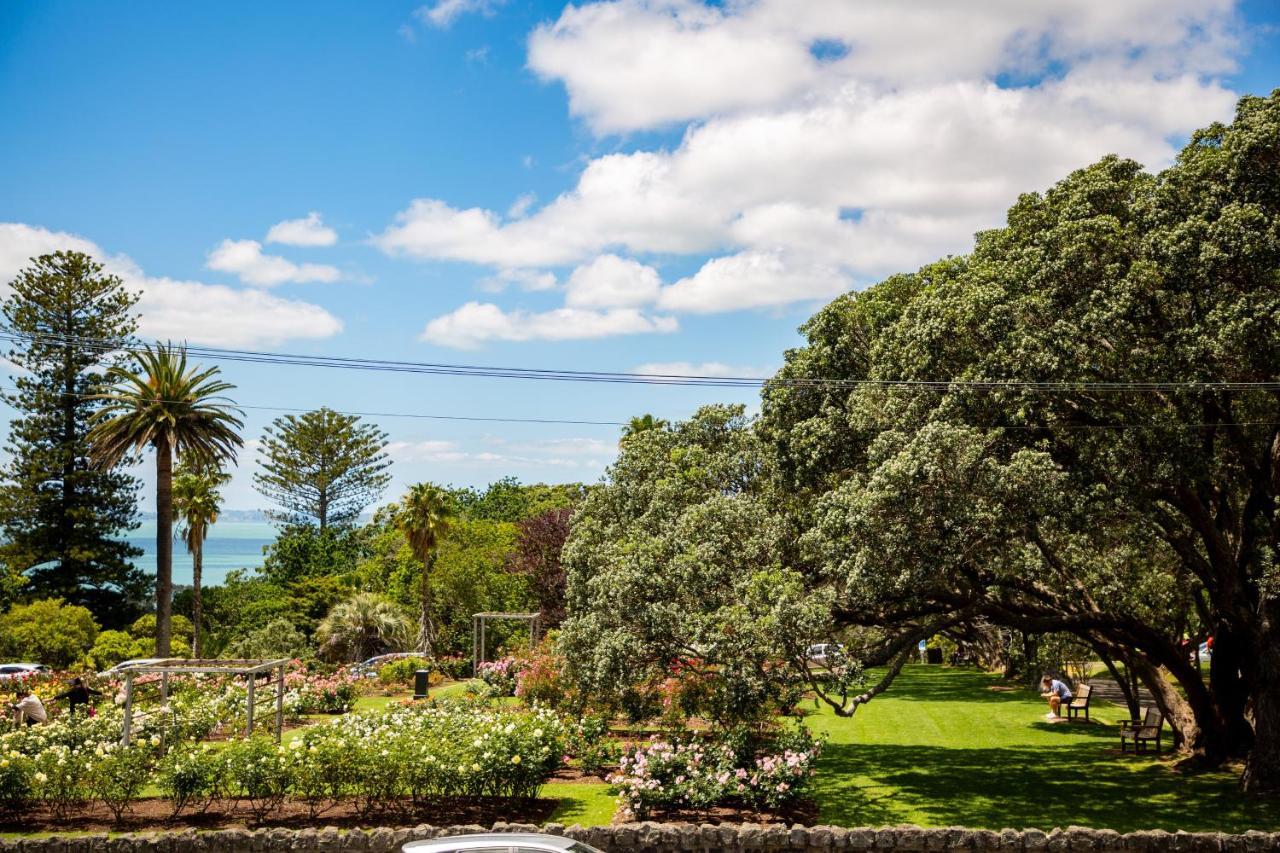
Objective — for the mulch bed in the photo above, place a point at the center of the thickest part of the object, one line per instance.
(156, 813)
(803, 812)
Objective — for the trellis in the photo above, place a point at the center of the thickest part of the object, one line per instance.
(479, 623)
(251, 669)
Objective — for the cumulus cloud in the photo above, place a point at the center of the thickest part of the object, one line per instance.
(612, 282)
(246, 259)
(702, 368)
(476, 323)
(826, 150)
(752, 280)
(524, 279)
(564, 452)
(308, 231)
(171, 309)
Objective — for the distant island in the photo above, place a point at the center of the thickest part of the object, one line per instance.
(249, 515)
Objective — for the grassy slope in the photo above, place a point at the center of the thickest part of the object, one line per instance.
(939, 748)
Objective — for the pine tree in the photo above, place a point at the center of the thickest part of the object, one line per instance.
(63, 521)
(322, 467)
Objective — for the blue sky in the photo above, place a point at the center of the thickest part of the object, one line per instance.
(621, 186)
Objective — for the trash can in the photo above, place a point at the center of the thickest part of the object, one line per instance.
(420, 683)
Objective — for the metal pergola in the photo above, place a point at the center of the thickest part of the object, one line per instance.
(479, 622)
(207, 666)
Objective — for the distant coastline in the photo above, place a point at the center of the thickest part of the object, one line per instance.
(253, 516)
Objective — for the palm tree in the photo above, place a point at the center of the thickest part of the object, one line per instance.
(173, 409)
(423, 516)
(197, 502)
(642, 423)
(362, 626)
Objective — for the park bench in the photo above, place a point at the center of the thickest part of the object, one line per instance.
(1080, 702)
(1142, 733)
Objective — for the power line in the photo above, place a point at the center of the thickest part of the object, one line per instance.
(568, 375)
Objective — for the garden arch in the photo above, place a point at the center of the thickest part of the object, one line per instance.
(480, 621)
(251, 669)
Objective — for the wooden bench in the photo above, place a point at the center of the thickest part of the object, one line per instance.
(1080, 702)
(1142, 733)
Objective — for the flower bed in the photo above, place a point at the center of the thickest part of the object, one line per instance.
(315, 693)
(667, 776)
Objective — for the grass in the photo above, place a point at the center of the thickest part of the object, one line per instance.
(940, 748)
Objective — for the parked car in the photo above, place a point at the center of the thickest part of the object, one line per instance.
(369, 668)
(500, 842)
(117, 670)
(824, 654)
(10, 671)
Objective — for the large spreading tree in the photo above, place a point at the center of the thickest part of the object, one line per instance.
(64, 521)
(323, 468)
(1074, 428)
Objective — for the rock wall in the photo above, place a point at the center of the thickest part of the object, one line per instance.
(659, 838)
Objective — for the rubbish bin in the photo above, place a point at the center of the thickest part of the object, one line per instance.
(934, 654)
(420, 683)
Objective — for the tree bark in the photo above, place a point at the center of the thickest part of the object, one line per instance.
(426, 629)
(164, 545)
(197, 569)
(1262, 770)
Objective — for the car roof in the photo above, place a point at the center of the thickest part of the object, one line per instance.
(22, 663)
(495, 839)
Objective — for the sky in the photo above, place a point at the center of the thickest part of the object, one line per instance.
(643, 186)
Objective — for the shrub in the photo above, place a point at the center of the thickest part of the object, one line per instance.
(259, 771)
(322, 766)
(117, 774)
(314, 693)
(401, 670)
(61, 779)
(47, 631)
(499, 675)
(16, 771)
(191, 777)
(111, 647)
(693, 774)
(279, 638)
(454, 667)
(539, 678)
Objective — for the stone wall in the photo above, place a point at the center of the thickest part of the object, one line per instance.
(658, 838)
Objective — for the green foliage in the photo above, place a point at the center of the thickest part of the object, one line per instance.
(300, 552)
(258, 770)
(111, 647)
(16, 782)
(675, 571)
(175, 410)
(191, 776)
(279, 638)
(511, 501)
(48, 631)
(401, 670)
(119, 773)
(62, 518)
(322, 467)
(362, 626)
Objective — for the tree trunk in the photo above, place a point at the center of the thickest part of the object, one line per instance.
(426, 629)
(197, 568)
(164, 545)
(1126, 681)
(1262, 771)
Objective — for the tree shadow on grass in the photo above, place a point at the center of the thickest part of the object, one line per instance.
(867, 784)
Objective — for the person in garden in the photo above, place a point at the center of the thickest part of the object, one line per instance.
(1058, 694)
(77, 694)
(28, 709)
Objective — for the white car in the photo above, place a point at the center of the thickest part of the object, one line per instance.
(10, 671)
(118, 670)
(500, 842)
(824, 654)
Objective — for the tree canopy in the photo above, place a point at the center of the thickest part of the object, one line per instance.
(322, 467)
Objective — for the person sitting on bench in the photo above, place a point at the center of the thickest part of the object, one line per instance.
(1058, 694)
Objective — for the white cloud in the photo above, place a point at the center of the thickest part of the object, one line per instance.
(521, 205)
(308, 231)
(170, 309)
(530, 280)
(476, 323)
(612, 282)
(637, 64)
(564, 453)
(703, 368)
(429, 450)
(752, 280)
(245, 259)
(824, 150)
(443, 13)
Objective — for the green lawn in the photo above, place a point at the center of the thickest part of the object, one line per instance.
(939, 748)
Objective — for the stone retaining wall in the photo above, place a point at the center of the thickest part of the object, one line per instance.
(658, 838)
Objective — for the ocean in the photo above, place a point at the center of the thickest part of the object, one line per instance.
(230, 545)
